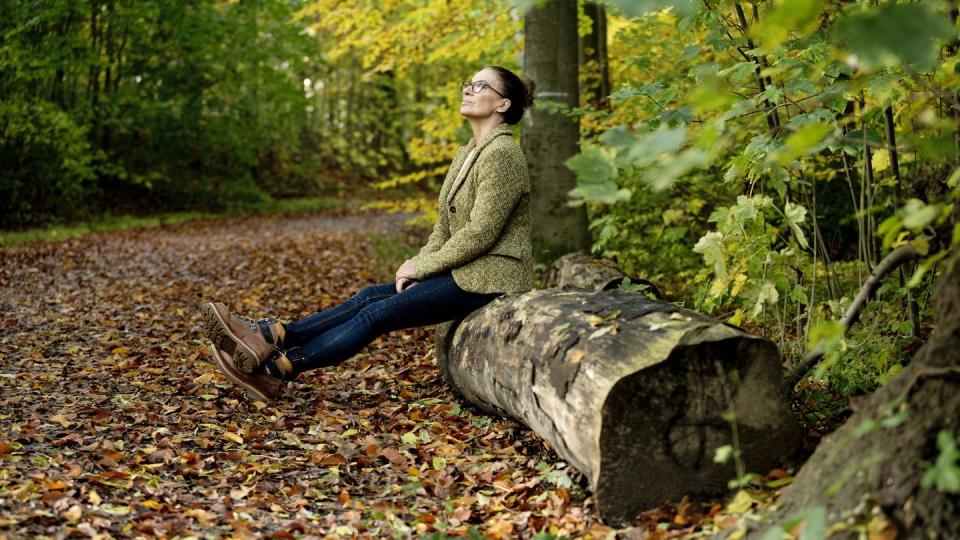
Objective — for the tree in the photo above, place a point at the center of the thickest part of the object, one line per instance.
(894, 463)
(550, 58)
(593, 57)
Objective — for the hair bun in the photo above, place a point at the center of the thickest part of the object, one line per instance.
(529, 86)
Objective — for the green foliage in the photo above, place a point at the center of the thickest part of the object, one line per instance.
(812, 519)
(747, 154)
(944, 474)
(45, 163)
(894, 33)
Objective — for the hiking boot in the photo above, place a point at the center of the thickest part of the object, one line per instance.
(259, 385)
(248, 341)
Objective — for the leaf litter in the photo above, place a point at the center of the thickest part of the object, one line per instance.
(114, 422)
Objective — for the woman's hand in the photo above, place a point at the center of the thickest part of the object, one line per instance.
(406, 274)
(404, 284)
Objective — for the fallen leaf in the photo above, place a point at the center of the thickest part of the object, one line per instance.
(230, 436)
(741, 502)
(60, 419)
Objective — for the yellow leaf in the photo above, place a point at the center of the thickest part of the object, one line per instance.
(881, 528)
(576, 355)
(230, 436)
(500, 529)
(881, 160)
(737, 534)
(738, 282)
(921, 245)
(114, 510)
(152, 504)
(741, 502)
(94, 497)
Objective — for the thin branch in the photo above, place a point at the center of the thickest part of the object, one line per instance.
(789, 103)
(727, 32)
(889, 263)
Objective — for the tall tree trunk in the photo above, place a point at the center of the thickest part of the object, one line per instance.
(871, 469)
(593, 48)
(550, 59)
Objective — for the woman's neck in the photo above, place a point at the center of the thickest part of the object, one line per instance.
(483, 127)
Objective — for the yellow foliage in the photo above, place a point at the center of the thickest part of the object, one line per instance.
(429, 46)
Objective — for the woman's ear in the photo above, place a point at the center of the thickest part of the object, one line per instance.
(505, 109)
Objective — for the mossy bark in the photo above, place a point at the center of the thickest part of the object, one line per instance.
(869, 471)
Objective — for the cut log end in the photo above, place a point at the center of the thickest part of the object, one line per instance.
(662, 427)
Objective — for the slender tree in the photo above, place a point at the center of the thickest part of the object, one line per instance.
(593, 56)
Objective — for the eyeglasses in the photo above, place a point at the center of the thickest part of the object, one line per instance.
(478, 87)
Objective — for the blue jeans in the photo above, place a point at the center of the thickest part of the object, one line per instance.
(333, 335)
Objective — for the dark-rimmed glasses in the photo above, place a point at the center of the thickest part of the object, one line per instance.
(478, 87)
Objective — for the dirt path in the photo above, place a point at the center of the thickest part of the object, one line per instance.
(114, 421)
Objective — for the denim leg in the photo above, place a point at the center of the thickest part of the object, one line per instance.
(303, 330)
(431, 301)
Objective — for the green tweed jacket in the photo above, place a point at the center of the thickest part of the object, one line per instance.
(483, 232)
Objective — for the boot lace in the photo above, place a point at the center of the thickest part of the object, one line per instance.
(255, 324)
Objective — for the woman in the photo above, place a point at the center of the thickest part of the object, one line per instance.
(479, 249)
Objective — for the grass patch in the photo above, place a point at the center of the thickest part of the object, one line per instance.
(387, 253)
(59, 233)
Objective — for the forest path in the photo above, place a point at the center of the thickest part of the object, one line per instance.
(114, 420)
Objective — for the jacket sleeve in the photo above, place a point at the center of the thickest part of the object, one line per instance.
(501, 181)
(436, 238)
(437, 235)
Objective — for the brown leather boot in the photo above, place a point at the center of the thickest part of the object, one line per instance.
(240, 337)
(258, 385)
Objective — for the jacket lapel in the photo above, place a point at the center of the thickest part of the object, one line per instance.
(472, 158)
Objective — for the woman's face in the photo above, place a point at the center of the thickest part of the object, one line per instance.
(487, 102)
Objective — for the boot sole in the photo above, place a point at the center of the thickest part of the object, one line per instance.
(219, 333)
(251, 392)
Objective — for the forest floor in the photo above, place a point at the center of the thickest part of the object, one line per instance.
(114, 421)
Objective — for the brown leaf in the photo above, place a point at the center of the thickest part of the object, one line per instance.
(331, 460)
(393, 456)
(61, 419)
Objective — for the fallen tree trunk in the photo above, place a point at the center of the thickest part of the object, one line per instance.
(632, 392)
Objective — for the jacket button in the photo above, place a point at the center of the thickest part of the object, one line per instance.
(453, 209)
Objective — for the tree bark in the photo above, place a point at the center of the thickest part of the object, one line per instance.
(549, 138)
(580, 271)
(593, 48)
(629, 391)
(870, 470)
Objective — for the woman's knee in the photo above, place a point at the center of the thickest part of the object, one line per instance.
(373, 292)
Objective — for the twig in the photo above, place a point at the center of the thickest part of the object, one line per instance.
(775, 107)
(889, 263)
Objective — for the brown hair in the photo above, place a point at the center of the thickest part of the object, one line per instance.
(518, 91)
